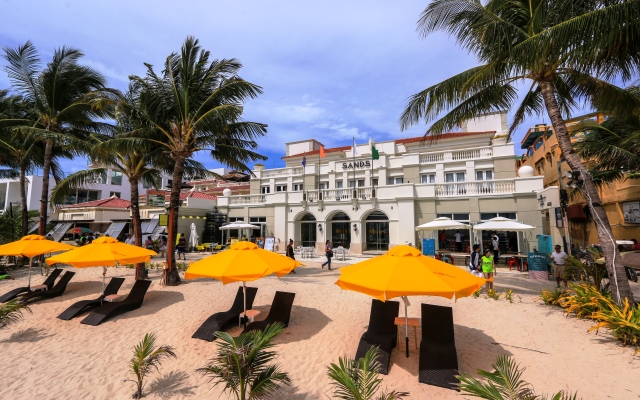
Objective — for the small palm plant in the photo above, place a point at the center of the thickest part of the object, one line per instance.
(242, 364)
(11, 312)
(358, 380)
(146, 357)
(504, 383)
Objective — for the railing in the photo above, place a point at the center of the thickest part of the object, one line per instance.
(475, 188)
(250, 199)
(363, 193)
(281, 171)
(457, 155)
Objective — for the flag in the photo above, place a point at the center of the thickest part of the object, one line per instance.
(322, 155)
(374, 152)
(355, 151)
(304, 161)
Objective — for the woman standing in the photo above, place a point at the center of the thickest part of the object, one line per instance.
(474, 261)
(488, 268)
(329, 253)
(291, 253)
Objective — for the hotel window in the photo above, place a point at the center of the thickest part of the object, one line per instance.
(265, 189)
(395, 181)
(324, 185)
(374, 182)
(116, 178)
(117, 194)
(456, 217)
(298, 187)
(428, 178)
(486, 175)
(281, 188)
(360, 183)
(338, 184)
(454, 177)
(82, 196)
(488, 216)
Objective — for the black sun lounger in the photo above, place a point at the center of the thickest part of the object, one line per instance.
(218, 321)
(57, 290)
(17, 291)
(438, 356)
(280, 312)
(86, 305)
(132, 302)
(382, 332)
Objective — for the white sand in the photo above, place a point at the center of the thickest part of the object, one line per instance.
(47, 358)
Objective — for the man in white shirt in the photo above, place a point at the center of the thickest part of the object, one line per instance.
(495, 245)
(458, 237)
(130, 240)
(559, 258)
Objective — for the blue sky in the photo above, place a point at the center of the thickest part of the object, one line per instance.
(330, 70)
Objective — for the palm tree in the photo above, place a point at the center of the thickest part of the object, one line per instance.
(68, 101)
(358, 379)
(11, 223)
(196, 105)
(146, 358)
(11, 312)
(242, 364)
(566, 52)
(504, 383)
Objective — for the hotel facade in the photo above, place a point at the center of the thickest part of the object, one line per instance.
(372, 205)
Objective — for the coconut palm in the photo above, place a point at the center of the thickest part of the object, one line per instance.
(504, 383)
(359, 379)
(196, 104)
(242, 364)
(11, 223)
(565, 53)
(68, 99)
(146, 358)
(11, 312)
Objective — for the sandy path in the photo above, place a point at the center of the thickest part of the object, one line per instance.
(52, 359)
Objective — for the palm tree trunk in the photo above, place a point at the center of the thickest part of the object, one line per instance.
(44, 198)
(137, 224)
(23, 204)
(620, 288)
(173, 278)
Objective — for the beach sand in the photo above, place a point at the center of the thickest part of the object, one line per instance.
(47, 358)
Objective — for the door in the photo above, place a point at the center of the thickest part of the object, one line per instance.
(378, 235)
(340, 234)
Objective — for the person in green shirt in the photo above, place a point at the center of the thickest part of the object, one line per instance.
(488, 268)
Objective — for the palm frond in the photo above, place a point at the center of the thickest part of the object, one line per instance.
(12, 312)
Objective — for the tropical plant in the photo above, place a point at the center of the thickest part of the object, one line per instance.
(359, 379)
(541, 44)
(242, 364)
(552, 298)
(492, 294)
(589, 271)
(146, 358)
(11, 223)
(477, 293)
(624, 323)
(68, 99)
(504, 383)
(196, 105)
(508, 295)
(11, 312)
(584, 300)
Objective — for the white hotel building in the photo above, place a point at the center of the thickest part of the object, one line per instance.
(469, 176)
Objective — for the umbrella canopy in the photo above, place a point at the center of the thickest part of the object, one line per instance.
(442, 223)
(32, 246)
(243, 261)
(78, 230)
(239, 225)
(502, 224)
(104, 251)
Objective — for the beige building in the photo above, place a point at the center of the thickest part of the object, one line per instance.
(372, 205)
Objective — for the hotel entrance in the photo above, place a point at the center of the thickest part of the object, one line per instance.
(377, 227)
(308, 230)
(340, 230)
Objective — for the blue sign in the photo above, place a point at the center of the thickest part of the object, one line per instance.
(429, 247)
(537, 261)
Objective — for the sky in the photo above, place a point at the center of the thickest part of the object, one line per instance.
(330, 70)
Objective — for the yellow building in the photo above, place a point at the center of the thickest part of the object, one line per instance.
(621, 199)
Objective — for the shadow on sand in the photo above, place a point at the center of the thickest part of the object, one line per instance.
(29, 335)
(170, 385)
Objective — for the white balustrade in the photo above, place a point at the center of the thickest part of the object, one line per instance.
(250, 199)
(282, 171)
(475, 188)
(457, 155)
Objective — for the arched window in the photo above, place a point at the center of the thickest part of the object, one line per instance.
(377, 216)
(308, 217)
(341, 217)
(530, 151)
(538, 143)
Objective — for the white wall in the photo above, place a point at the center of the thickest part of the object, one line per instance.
(490, 122)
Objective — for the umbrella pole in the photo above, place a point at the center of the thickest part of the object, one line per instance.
(244, 293)
(406, 326)
(30, 262)
(104, 274)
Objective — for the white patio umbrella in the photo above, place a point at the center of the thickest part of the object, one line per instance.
(445, 223)
(239, 225)
(193, 236)
(504, 224)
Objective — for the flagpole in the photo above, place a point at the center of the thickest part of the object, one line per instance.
(304, 183)
(373, 186)
(319, 194)
(355, 182)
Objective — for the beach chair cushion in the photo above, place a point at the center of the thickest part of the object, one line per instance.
(39, 287)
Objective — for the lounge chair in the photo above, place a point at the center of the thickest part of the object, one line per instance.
(57, 290)
(132, 302)
(17, 291)
(220, 320)
(438, 357)
(86, 305)
(382, 332)
(280, 312)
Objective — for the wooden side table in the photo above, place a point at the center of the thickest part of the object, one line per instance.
(251, 314)
(413, 322)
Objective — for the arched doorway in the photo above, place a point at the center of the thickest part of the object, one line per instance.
(377, 226)
(308, 230)
(340, 230)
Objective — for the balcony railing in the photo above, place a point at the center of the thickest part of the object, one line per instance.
(363, 193)
(475, 188)
(282, 171)
(457, 155)
(251, 199)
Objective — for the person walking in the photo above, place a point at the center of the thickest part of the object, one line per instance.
(559, 259)
(329, 253)
(495, 244)
(182, 247)
(488, 268)
(163, 246)
(474, 261)
(458, 236)
(291, 254)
